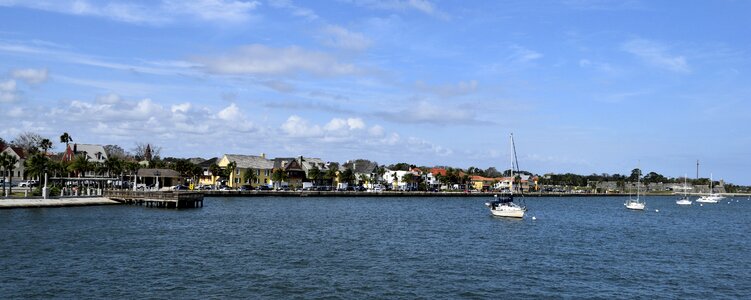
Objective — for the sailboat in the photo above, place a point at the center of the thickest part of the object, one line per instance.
(711, 197)
(685, 200)
(636, 204)
(504, 206)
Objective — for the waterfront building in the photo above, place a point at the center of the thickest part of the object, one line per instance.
(19, 170)
(206, 177)
(259, 165)
(92, 152)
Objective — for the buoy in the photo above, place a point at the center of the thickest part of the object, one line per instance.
(701, 204)
(657, 210)
(534, 218)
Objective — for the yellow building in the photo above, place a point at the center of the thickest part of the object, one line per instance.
(259, 165)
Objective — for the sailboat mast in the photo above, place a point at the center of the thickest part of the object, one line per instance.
(511, 188)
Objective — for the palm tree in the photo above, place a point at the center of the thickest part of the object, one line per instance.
(79, 165)
(66, 138)
(10, 164)
(45, 144)
(36, 165)
(215, 171)
(4, 157)
(249, 175)
(331, 175)
(231, 167)
(278, 177)
(314, 174)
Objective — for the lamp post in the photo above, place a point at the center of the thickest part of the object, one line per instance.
(157, 179)
(44, 189)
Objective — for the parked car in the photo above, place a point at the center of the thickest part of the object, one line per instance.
(264, 188)
(246, 188)
(28, 183)
(179, 188)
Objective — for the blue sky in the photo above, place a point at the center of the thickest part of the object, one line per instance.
(587, 86)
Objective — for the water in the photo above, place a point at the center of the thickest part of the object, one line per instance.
(378, 248)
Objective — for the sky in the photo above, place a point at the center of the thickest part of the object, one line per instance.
(586, 86)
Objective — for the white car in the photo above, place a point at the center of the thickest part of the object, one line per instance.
(28, 183)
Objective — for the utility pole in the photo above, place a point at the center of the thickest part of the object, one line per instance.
(697, 169)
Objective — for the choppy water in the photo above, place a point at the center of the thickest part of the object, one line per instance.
(378, 248)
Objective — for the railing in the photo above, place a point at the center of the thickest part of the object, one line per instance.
(166, 195)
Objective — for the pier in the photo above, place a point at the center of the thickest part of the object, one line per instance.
(165, 199)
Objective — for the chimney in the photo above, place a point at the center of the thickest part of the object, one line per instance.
(263, 155)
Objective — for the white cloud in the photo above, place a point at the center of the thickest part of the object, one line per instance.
(523, 55)
(338, 125)
(31, 76)
(8, 92)
(263, 60)
(342, 38)
(296, 126)
(294, 9)
(15, 112)
(430, 113)
(213, 10)
(448, 90)
(376, 131)
(230, 113)
(420, 145)
(656, 54)
(182, 107)
(167, 11)
(423, 6)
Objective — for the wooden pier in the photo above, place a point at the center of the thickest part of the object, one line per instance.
(166, 199)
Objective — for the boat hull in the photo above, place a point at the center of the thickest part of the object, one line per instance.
(635, 205)
(683, 202)
(508, 213)
(709, 199)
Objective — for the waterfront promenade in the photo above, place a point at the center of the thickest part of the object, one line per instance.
(57, 202)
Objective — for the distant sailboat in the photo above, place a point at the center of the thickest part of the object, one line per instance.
(685, 200)
(636, 204)
(505, 206)
(711, 197)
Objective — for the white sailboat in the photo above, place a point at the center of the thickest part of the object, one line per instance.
(711, 197)
(685, 200)
(636, 204)
(505, 206)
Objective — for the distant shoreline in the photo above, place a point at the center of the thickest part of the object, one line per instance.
(386, 194)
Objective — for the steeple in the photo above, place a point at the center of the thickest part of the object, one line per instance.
(147, 153)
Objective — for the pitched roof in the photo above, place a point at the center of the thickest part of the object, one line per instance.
(161, 172)
(91, 151)
(361, 166)
(250, 161)
(207, 163)
(280, 162)
(17, 150)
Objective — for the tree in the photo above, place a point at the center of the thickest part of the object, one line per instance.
(45, 144)
(249, 175)
(230, 170)
(215, 170)
(140, 153)
(9, 165)
(330, 175)
(348, 176)
(36, 165)
(79, 165)
(409, 179)
(66, 138)
(29, 141)
(115, 151)
(315, 174)
(635, 175)
(278, 177)
(4, 157)
(3, 143)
